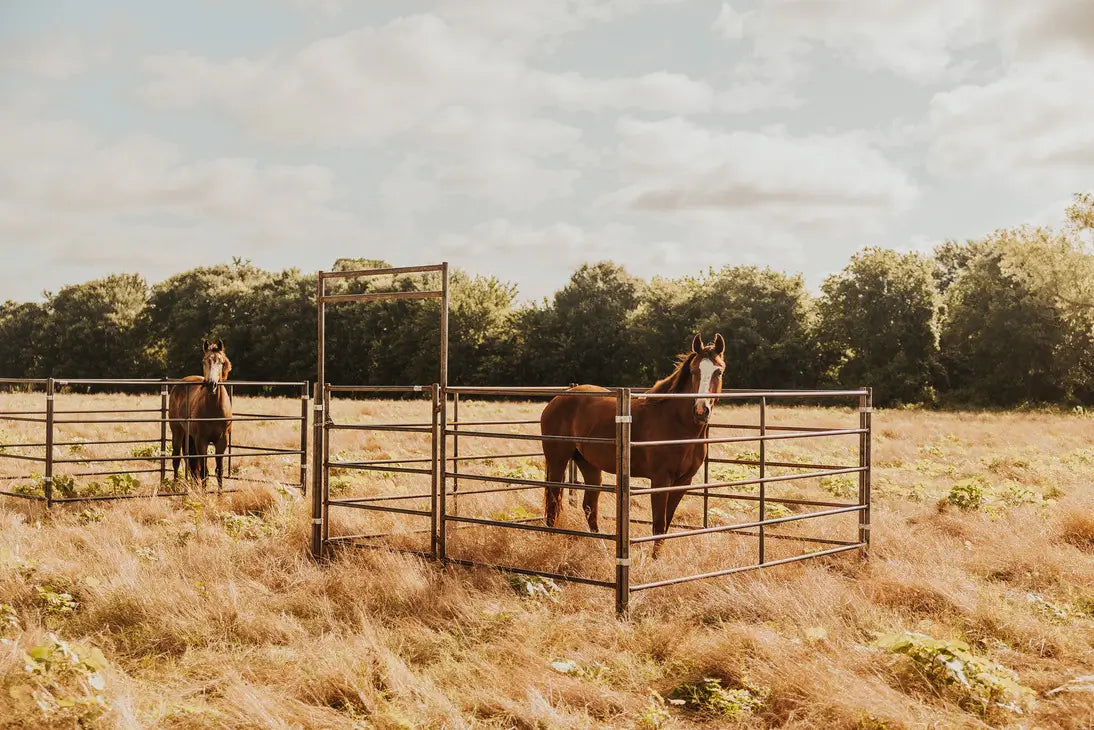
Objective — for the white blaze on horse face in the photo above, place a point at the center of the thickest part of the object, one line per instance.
(213, 371)
(706, 380)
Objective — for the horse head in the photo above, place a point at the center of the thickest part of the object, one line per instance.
(706, 368)
(215, 363)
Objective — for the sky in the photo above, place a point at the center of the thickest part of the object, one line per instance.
(522, 139)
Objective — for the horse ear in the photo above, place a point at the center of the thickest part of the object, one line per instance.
(205, 345)
(220, 345)
(719, 345)
(697, 343)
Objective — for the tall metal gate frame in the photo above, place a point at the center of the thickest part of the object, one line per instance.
(444, 470)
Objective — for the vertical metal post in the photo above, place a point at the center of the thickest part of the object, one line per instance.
(47, 484)
(442, 444)
(623, 501)
(304, 438)
(163, 431)
(437, 470)
(328, 421)
(763, 474)
(318, 467)
(455, 453)
(571, 469)
(231, 393)
(866, 408)
(706, 479)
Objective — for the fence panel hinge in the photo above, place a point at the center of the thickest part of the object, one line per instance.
(623, 419)
(623, 561)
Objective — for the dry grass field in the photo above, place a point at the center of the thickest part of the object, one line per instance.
(975, 607)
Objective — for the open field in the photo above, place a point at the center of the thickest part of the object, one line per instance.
(206, 611)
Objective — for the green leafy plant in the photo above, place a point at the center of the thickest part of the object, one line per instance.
(975, 683)
(839, 485)
(63, 683)
(146, 451)
(519, 512)
(709, 697)
(243, 527)
(655, 714)
(535, 586)
(64, 485)
(967, 494)
(56, 603)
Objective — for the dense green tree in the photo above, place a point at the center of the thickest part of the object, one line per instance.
(1015, 328)
(21, 343)
(91, 329)
(766, 318)
(204, 303)
(879, 317)
(587, 335)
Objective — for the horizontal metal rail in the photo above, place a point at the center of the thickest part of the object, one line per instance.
(23, 496)
(528, 390)
(780, 500)
(377, 508)
(784, 464)
(492, 423)
(22, 381)
(429, 460)
(383, 498)
(383, 295)
(160, 457)
(392, 270)
(25, 419)
(527, 571)
(744, 482)
(745, 439)
(767, 535)
(230, 419)
(23, 458)
(756, 427)
(363, 427)
(533, 482)
(530, 528)
(423, 389)
(79, 443)
(530, 437)
(176, 381)
(745, 525)
(364, 466)
(111, 473)
(741, 569)
(736, 394)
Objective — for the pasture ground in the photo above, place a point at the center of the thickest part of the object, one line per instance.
(976, 605)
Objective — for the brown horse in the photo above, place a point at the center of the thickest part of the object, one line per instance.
(699, 371)
(192, 403)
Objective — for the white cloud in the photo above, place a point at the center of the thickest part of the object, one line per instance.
(372, 83)
(916, 39)
(680, 166)
(68, 190)
(57, 55)
(1032, 123)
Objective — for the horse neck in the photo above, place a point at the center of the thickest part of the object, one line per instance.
(676, 410)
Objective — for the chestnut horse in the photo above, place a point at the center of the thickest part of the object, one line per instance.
(657, 419)
(192, 403)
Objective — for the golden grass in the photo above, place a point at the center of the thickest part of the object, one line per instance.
(211, 614)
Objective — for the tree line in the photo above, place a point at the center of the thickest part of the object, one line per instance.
(1004, 321)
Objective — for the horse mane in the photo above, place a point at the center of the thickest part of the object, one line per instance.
(676, 382)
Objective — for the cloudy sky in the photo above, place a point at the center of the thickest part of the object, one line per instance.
(523, 138)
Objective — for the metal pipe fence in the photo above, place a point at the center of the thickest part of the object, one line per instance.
(452, 479)
(57, 482)
(450, 503)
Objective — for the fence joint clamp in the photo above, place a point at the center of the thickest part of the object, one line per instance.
(419, 388)
(623, 419)
(317, 520)
(623, 561)
(866, 409)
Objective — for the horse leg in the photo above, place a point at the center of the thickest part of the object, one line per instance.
(590, 475)
(176, 449)
(658, 502)
(201, 468)
(674, 500)
(556, 456)
(220, 447)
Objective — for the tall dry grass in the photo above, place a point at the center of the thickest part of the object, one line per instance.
(209, 613)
